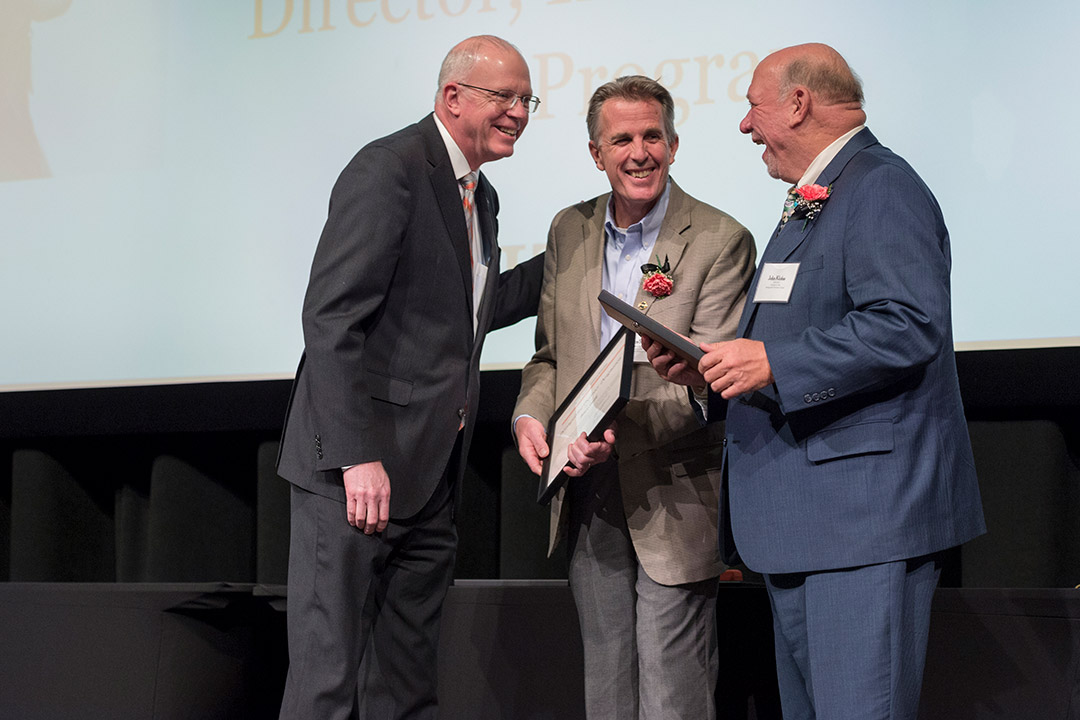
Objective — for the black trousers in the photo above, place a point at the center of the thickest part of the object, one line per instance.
(364, 610)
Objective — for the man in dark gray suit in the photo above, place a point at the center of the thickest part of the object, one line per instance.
(398, 303)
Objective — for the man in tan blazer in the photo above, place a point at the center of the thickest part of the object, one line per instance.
(640, 510)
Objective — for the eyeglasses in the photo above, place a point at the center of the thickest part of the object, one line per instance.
(509, 99)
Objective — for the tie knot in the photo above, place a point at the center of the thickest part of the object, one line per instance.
(789, 205)
(469, 182)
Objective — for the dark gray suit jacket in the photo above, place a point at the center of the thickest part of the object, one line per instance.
(391, 362)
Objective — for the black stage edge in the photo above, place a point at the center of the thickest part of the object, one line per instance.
(1003, 654)
(1012, 384)
(1020, 384)
(155, 651)
(509, 650)
(145, 409)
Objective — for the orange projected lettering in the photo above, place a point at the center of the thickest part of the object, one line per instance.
(557, 71)
(273, 17)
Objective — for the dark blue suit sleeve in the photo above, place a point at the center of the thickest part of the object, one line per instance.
(895, 297)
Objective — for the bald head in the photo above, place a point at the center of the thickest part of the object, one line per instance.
(821, 70)
(802, 98)
(466, 54)
(483, 97)
(820, 74)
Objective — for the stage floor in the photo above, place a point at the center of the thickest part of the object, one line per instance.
(510, 649)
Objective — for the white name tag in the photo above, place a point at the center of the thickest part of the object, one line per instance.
(776, 282)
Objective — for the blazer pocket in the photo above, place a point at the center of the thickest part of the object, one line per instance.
(692, 454)
(842, 442)
(814, 262)
(388, 389)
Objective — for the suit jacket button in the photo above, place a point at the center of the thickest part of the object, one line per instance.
(832, 392)
(816, 397)
(807, 397)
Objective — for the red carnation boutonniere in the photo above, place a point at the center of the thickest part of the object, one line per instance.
(657, 281)
(809, 201)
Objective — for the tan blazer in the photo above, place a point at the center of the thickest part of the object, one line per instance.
(668, 464)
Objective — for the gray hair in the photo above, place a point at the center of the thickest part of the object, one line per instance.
(633, 88)
(832, 80)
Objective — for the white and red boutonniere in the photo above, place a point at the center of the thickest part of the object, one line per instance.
(809, 200)
(657, 281)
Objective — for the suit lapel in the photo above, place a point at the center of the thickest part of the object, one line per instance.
(670, 241)
(489, 231)
(862, 140)
(488, 218)
(445, 187)
(786, 240)
(593, 231)
(783, 242)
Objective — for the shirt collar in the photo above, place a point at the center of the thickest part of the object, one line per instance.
(457, 158)
(650, 224)
(826, 156)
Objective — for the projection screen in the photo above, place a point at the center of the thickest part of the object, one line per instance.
(165, 165)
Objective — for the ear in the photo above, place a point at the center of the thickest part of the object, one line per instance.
(800, 105)
(595, 152)
(451, 97)
(672, 147)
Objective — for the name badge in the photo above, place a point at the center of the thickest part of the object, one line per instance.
(776, 282)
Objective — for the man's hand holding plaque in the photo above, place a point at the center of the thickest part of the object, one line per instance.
(670, 366)
(581, 454)
(581, 432)
(729, 368)
(639, 323)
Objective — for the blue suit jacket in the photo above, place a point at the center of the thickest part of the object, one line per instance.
(859, 452)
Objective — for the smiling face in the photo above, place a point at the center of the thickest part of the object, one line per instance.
(481, 124)
(766, 122)
(634, 152)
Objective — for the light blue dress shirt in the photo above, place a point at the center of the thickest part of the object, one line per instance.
(625, 251)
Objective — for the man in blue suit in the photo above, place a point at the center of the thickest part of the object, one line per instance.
(848, 464)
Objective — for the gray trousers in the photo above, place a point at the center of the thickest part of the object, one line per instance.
(650, 650)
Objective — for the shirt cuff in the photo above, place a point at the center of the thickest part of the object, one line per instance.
(702, 399)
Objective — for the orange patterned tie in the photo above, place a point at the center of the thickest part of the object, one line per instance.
(469, 183)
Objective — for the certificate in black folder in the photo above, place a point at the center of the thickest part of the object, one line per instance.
(640, 323)
(589, 408)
